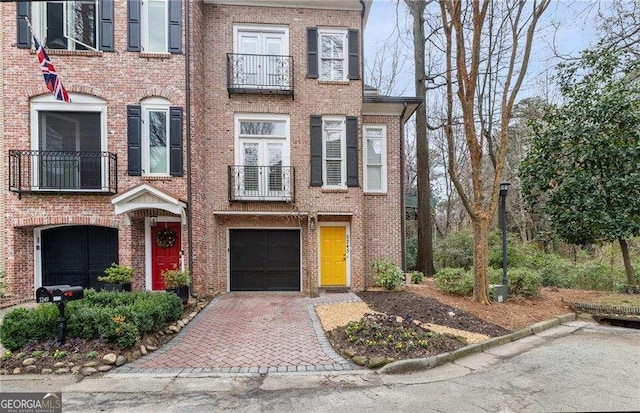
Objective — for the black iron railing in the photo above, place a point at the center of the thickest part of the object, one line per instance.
(58, 171)
(254, 73)
(261, 183)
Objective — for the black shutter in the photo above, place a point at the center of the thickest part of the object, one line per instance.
(354, 55)
(106, 25)
(312, 52)
(175, 26)
(134, 140)
(175, 141)
(134, 43)
(316, 150)
(352, 151)
(24, 35)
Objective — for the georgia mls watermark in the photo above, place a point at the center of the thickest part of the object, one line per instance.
(31, 402)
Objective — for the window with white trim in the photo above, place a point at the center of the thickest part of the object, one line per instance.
(375, 158)
(67, 140)
(155, 136)
(333, 54)
(333, 152)
(154, 19)
(260, 56)
(67, 25)
(262, 169)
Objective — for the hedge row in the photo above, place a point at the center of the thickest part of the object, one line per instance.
(116, 317)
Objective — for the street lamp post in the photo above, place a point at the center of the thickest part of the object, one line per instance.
(504, 187)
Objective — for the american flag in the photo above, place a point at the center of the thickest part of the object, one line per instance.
(49, 73)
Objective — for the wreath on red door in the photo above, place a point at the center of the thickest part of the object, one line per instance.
(165, 238)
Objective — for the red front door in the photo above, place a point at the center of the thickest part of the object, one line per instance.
(165, 251)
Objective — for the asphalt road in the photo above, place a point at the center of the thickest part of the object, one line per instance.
(577, 366)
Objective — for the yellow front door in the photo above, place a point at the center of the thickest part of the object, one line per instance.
(333, 255)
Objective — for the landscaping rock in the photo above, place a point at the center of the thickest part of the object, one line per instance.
(109, 358)
(46, 371)
(88, 371)
(121, 360)
(90, 364)
(62, 370)
(17, 370)
(70, 364)
(104, 368)
(152, 348)
(376, 362)
(193, 314)
(350, 352)
(359, 360)
(59, 365)
(136, 354)
(30, 369)
(3, 372)
(29, 361)
(143, 350)
(174, 329)
(185, 321)
(75, 369)
(180, 324)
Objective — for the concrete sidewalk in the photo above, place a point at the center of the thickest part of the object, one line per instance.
(178, 381)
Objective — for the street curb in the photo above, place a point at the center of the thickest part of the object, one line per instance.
(422, 364)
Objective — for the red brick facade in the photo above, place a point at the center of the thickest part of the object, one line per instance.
(122, 78)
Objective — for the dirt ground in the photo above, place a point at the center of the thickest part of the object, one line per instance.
(514, 314)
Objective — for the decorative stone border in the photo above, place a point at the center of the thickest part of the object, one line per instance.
(111, 360)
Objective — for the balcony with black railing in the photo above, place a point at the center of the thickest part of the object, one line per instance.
(58, 171)
(261, 183)
(262, 74)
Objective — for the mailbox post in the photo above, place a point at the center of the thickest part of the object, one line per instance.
(59, 295)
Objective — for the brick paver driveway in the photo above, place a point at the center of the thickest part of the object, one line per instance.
(248, 332)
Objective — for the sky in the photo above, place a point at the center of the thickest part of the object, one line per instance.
(575, 31)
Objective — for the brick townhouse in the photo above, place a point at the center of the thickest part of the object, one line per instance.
(234, 138)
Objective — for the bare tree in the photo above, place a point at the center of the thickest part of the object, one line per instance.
(487, 46)
(424, 261)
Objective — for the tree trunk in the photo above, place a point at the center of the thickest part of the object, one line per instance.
(627, 265)
(481, 261)
(424, 259)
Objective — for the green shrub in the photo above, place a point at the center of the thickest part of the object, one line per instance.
(2, 284)
(416, 277)
(517, 252)
(21, 325)
(388, 274)
(598, 276)
(117, 274)
(116, 317)
(455, 250)
(524, 282)
(454, 281)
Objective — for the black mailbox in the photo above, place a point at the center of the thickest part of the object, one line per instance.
(44, 294)
(66, 293)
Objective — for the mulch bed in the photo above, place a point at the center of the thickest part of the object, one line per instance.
(428, 310)
(385, 336)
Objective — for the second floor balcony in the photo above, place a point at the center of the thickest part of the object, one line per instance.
(261, 183)
(262, 74)
(62, 171)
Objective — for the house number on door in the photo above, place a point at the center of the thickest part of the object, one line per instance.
(347, 238)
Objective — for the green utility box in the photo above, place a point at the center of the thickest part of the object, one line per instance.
(498, 292)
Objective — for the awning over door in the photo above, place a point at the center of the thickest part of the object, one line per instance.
(146, 196)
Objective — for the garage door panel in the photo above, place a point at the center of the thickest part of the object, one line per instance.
(264, 260)
(77, 255)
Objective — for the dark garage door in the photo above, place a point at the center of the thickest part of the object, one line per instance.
(77, 255)
(264, 260)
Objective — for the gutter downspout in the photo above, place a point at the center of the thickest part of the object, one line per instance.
(364, 7)
(402, 194)
(187, 63)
